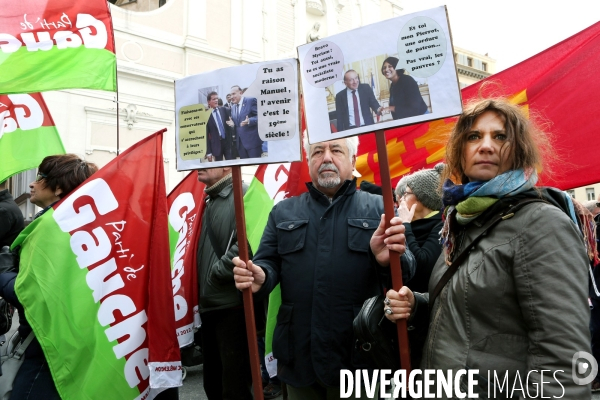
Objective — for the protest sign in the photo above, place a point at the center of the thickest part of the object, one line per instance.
(396, 72)
(56, 44)
(567, 68)
(256, 123)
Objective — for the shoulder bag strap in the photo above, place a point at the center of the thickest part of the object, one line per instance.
(508, 213)
(19, 351)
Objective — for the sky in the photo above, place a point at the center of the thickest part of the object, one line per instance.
(511, 31)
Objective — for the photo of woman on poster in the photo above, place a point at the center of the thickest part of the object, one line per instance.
(405, 97)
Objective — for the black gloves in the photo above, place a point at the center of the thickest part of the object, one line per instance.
(9, 260)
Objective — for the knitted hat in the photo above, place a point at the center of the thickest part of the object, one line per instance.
(425, 185)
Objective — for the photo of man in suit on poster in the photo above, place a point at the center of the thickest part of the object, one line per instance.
(353, 104)
(245, 122)
(219, 135)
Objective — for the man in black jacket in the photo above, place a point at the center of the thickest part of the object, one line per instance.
(11, 218)
(325, 248)
(224, 344)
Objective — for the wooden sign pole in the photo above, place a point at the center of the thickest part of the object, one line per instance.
(396, 270)
(240, 223)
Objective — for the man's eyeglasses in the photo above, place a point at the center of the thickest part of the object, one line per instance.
(406, 193)
(40, 176)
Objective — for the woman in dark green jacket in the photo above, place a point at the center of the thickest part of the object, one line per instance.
(514, 312)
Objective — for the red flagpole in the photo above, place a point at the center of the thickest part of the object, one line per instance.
(240, 223)
(396, 269)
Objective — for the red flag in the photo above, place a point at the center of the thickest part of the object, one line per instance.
(559, 84)
(186, 207)
(106, 284)
(27, 133)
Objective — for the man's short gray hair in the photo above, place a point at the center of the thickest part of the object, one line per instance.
(351, 143)
(590, 205)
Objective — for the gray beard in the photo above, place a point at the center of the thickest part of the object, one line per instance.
(330, 181)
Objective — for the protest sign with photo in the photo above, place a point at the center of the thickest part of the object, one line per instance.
(241, 115)
(397, 72)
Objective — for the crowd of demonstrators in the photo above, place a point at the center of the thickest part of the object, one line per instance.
(514, 254)
(227, 373)
(57, 177)
(324, 248)
(515, 303)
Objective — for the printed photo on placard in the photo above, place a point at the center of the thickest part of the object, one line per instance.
(242, 115)
(393, 73)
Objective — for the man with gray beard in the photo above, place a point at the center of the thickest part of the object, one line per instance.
(325, 247)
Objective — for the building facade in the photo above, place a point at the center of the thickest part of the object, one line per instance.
(160, 41)
(472, 67)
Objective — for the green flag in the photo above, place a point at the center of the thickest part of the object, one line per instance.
(56, 44)
(271, 184)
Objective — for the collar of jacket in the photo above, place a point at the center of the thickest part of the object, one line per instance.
(222, 188)
(348, 188)
(550, 195)
(43, 211)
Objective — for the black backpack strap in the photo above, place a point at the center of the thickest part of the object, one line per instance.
(457, 261)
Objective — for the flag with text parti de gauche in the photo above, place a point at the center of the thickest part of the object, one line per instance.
(27, 133)
(56, 44)
(95, 282)
(186, 207)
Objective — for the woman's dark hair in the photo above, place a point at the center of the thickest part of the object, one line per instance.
(393, 61)
(65, 171)
(524, 139)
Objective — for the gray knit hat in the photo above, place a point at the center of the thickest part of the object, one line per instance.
(425, 185)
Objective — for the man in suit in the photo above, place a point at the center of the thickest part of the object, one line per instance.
(244, 119)
(353, 105)
(219, 134)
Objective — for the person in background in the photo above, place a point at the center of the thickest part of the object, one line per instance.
(57, 177)
(591, 216)
(419, 209)
(224, 344)
(11, 218)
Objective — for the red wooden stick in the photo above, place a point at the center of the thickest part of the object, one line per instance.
(388, 205)
(240, 224)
